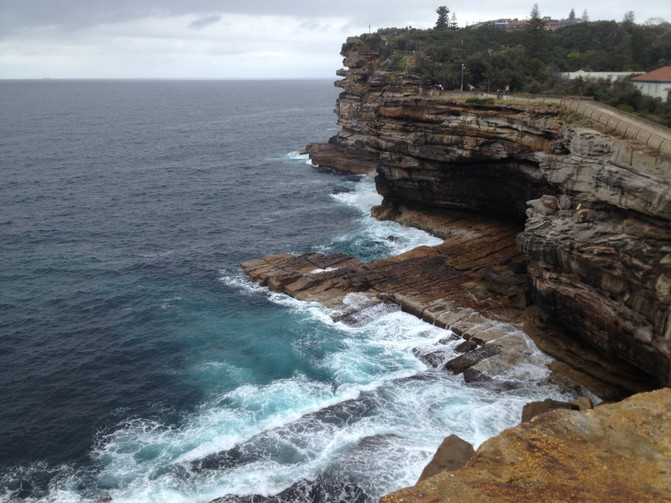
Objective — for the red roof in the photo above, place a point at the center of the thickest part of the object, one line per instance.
(662, 74)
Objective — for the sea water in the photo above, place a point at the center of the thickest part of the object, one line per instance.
(137, 362)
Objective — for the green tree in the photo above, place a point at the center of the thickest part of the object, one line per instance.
(495, 58)
(535, 19)
(442, 23)
(535, 34)
(453, 22)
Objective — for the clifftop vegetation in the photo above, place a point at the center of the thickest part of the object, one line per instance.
(532, 59)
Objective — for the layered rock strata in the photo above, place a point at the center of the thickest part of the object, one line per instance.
(594, 211)
(465, 285)
(553, 229)
(472, 284)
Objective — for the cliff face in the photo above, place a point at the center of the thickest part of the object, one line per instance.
(594, 211)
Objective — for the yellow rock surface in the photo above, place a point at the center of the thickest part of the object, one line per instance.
(617, 452)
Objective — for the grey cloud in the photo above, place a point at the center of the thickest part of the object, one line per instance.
(205, 21)
(75, 14)
(148, 35)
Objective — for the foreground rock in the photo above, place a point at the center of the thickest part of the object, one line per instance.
(451, 455)
(616, 452)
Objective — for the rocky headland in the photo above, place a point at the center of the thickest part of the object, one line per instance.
(557, 230)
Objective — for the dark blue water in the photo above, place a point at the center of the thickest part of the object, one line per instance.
(137, 363)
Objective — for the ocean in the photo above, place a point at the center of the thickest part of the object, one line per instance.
(137, 362)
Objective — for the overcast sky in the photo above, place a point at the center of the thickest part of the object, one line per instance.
(233, 39)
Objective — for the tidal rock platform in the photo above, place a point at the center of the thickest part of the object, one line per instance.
(473, 284)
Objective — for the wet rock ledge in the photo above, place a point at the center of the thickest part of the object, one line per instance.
(473, 284)
(445, 285)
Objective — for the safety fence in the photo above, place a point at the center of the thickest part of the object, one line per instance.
(649, 133)
(653, 135)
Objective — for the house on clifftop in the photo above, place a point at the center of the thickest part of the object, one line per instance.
(656, 83)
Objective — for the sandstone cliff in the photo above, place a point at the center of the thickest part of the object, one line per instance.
(592, 211)
(555, 227)
(614, 453)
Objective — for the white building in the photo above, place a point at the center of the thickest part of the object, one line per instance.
(612, 76)
(656, 83)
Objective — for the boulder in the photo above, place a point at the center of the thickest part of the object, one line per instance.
(452, 454)
(533, 409)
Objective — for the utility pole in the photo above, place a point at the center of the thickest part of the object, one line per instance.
(462, 76)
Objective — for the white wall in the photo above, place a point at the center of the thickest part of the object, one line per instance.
(655, 89)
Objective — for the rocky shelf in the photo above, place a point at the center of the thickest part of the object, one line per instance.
(474, 284)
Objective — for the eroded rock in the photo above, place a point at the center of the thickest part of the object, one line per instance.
(533, 409)
(597, 208)
(452, 454)
(615, 452)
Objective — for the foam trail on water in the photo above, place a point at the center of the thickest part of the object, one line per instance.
(363, 196)
(368, 427)
(296, 155)
(374, 239)
(359, 416)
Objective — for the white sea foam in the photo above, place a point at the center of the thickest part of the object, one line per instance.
(376, 237)
(240, 283)
(297, 155)
(328, 269)
(400, 416)
(375, 418)
(139, 450)
(363, 197)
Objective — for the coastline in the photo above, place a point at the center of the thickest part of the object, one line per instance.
(555, 240)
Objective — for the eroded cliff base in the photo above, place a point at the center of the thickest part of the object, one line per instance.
(474, 284)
